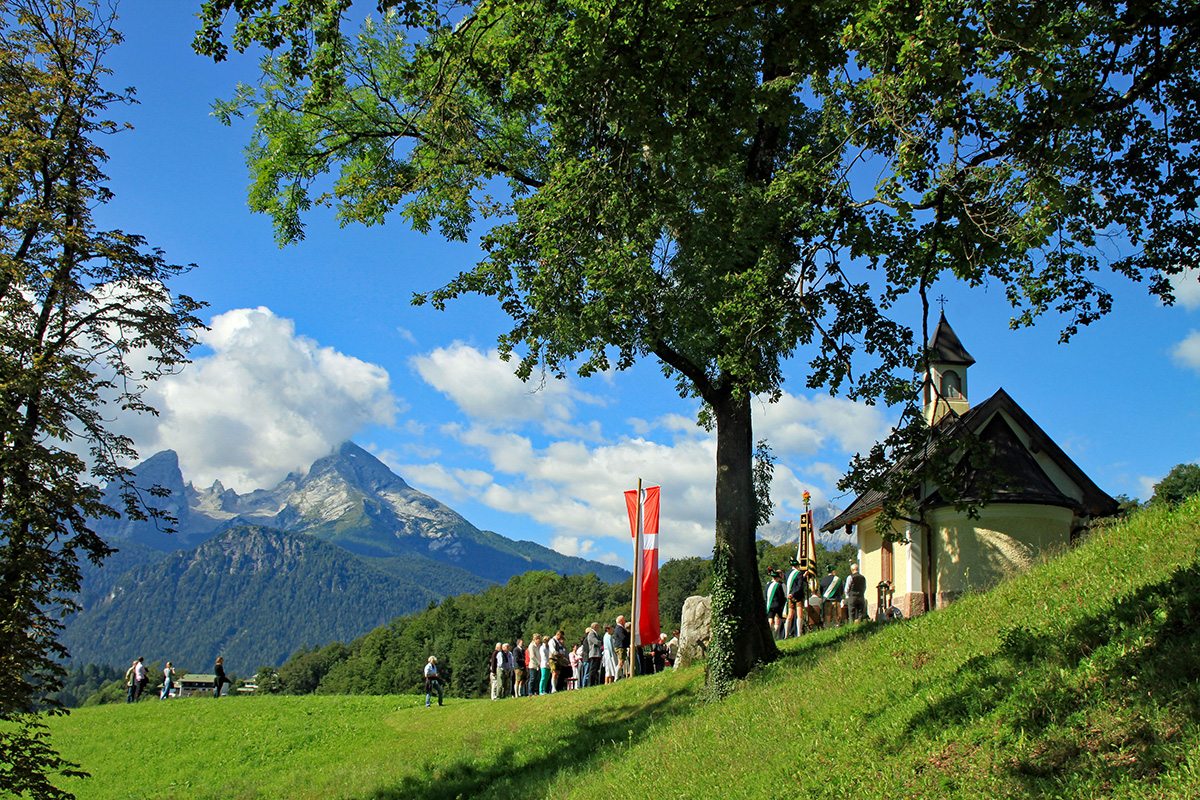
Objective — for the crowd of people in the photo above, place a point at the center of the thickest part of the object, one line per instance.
(803, 603)
(548, 663)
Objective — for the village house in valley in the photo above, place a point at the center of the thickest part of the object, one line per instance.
(1040, 500)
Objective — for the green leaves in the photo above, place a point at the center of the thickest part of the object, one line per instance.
(86, 322)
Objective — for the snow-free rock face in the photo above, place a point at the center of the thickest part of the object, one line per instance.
(162, 470)
(695, 630)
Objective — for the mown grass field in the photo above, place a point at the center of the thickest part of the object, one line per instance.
(1079, 679)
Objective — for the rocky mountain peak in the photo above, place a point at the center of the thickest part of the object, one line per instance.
(358, 468)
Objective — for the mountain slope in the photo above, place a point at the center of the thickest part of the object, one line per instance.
(348, 498)
(253, 595)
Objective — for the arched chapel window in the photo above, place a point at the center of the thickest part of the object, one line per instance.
(951, 384)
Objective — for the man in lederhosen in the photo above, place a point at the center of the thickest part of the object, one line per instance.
(797, 591)
(776, 601)
(831, 595)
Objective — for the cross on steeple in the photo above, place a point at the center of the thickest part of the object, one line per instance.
(941, 301)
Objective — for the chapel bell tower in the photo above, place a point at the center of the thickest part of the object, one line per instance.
(945, 387)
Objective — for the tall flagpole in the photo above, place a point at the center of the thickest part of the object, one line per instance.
(637, 581)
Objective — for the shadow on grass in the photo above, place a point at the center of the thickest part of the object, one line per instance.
(1113, 697)
(816, 646)
(571, 744)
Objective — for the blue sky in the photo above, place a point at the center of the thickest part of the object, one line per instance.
(318, 343)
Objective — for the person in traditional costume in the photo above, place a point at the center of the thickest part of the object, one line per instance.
(797, 593)
(776, 601)
(832, 592)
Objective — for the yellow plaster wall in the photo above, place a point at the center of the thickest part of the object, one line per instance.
(870, 542)
(974, 554)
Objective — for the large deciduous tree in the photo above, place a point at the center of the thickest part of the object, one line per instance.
(723, 185)
(86, 321)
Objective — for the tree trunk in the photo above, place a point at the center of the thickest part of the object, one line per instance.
(741, 634)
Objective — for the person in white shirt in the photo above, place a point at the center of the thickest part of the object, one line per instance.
(432, 682)
(535, 664)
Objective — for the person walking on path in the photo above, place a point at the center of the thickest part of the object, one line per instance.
(136, 678)
(220, 679)
(433, 683)
(131, 681)
(168, 681)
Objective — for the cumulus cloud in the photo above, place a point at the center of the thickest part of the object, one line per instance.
(807, 425)
(571, 478)
(1186, 286)
(575, 487)
(266, 401)
(1187, 353)
(484, 388)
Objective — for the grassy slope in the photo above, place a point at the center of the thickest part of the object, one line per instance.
(1077, 680)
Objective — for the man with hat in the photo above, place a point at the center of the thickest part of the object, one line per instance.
(776, 600)
(832, 591)
(797, 591)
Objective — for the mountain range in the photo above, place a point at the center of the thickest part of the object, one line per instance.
(322, 556)
(782, 531)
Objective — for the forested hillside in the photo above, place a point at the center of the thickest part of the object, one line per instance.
(463, 631)
(252, 595)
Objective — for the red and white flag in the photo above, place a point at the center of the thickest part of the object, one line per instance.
(643, 520)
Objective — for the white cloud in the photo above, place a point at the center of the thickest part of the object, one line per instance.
(485, 388)
(574, 485)
(576, 489)
(265, 402)
(805, 426)
(1186, 286)
(433, 479)
(1187, 353)
(1147, 484)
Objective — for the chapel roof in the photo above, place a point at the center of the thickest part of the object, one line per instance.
(1024, 480)
(945, 343)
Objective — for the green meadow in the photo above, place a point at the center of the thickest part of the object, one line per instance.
(1078, 679)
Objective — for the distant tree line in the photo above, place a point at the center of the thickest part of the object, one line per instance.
(81, 683)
